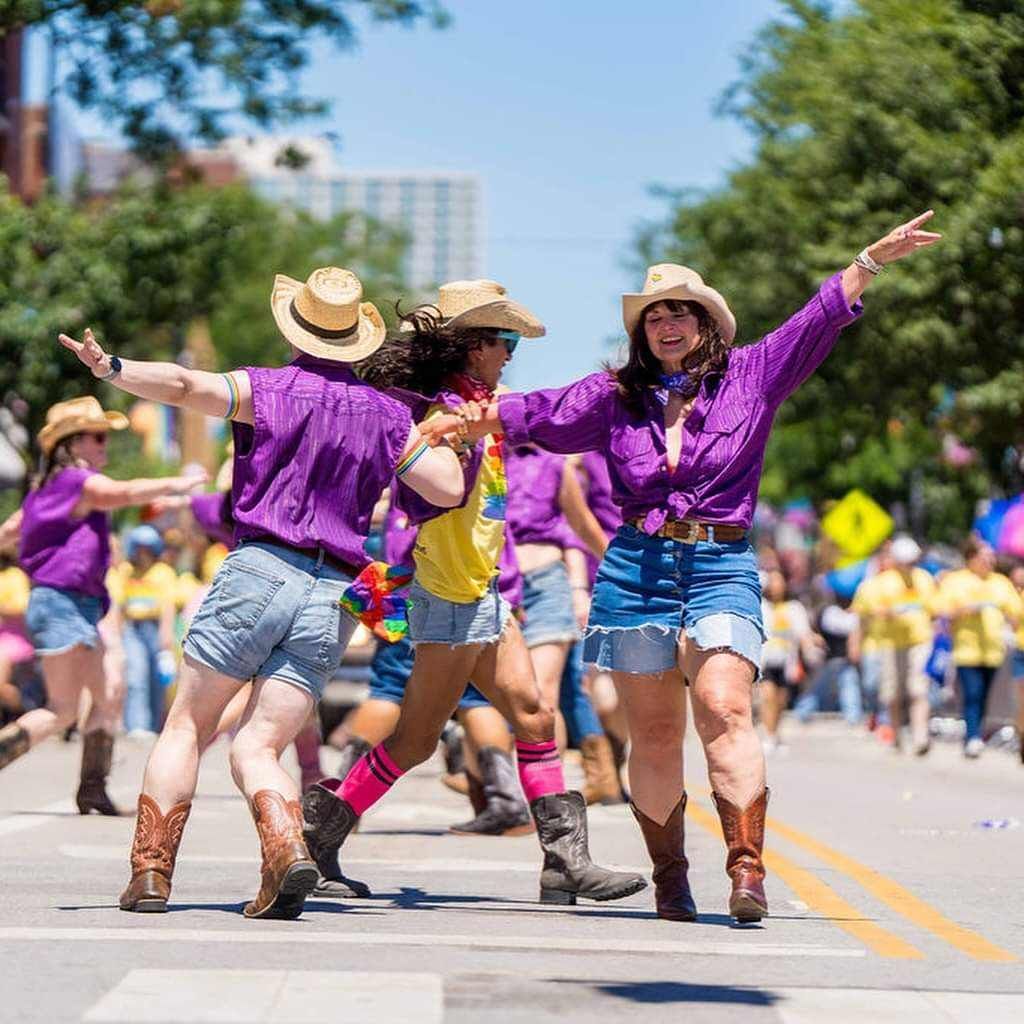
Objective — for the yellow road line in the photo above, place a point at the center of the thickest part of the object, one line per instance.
(901, 900)
(820, 897)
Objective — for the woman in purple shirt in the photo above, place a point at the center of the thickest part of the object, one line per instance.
(314, 450)
(64, 547)
(683, 427)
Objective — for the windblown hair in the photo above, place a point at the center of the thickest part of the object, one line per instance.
(421, 359)
(642, 369)
(50, 465)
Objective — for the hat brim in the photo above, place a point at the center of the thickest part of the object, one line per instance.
(633, 305)
(500, 315)
(50, 436)
(363, 342)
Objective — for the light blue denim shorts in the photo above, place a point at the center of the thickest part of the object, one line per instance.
(58, 620)
(390, 671)
(547, 602)
(434, 620)
(648, 589)
(273, 611)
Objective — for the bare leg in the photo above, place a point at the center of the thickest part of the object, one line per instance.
(373, 721)
(61, 674)
(773, 699)
(548, 664)
(485, 727)
(655, 709)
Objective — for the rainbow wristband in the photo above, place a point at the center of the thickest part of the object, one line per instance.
(412, 458)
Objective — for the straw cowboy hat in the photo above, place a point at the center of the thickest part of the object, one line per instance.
(82, 415)
(485, 303)
(672, 281)
(326, 317)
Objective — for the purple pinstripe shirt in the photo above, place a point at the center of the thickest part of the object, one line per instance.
(534, 482)
(724, 436)
(321, 450)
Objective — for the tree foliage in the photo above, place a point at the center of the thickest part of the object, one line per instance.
(142, 267)
(167, 70)
(865, 113)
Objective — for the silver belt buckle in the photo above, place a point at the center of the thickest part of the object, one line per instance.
(692, 533)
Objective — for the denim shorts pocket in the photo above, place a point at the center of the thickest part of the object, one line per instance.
(244, 593)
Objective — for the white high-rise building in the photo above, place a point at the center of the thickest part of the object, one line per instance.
(439, 210)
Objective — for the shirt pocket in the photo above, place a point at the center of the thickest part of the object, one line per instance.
(637, 462)
(725, 429)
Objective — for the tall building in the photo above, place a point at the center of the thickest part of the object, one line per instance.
(439, 210)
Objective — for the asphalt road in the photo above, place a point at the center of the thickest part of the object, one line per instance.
(890, 902)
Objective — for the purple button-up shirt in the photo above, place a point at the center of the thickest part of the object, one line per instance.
(212, 513)
(534, 483)
(321, 450)
(724, 436)
(56, 550)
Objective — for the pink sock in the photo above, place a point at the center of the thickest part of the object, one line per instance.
(370, 778)
(540, 769)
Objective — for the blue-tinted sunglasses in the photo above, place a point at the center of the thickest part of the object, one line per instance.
(510, 338)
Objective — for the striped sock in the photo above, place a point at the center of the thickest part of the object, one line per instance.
(540, 769)
(370, 778)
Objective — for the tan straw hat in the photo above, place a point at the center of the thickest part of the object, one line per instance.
(82, 415)
(326, 317)
(672, 281)
(485, 303)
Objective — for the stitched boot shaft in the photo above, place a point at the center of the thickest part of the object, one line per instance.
(327, 822)
(666, 845)
(475, 792)
(97, 755)
(602, 778)
(743, 831)
(154, 851)
(287, 873)
(568, 871)
(13, 743)
(504, 811)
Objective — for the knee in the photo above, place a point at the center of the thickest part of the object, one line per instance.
(657, 738)
(724, 714)
(535, 720)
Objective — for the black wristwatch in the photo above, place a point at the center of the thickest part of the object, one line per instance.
(115, 369)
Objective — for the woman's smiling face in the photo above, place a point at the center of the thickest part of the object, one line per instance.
(672, 332)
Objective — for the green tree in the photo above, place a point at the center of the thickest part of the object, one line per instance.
(167, 70)
(863, 114)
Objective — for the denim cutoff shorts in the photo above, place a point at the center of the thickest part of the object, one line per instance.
(390, 671)
(58, 620)
(650, 588)
(547, 602)
(434, 620)
(1017, 665)
(273, 611)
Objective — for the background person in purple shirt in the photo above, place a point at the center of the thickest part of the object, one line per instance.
(683, 426)
(64, 549)
(314, 450)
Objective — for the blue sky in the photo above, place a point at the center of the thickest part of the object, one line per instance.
(568, 112)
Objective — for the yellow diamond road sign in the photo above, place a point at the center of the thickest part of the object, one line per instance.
(858, 524)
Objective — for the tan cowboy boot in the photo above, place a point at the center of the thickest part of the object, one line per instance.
(602, 779)
(288, 874)
(97, 753)
(744, 838)
(154, 851)
(666, 845)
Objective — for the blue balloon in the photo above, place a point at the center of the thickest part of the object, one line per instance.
(844, 582)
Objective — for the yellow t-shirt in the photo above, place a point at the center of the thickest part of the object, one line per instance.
(457, 553)
(895, 613)
(142, 597)
(978, 635)
(14, 591)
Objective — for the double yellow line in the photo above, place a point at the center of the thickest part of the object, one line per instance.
(825, 900)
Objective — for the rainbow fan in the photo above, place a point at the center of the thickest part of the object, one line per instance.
(372, 598)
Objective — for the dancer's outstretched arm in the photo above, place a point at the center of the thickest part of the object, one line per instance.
(227, 395)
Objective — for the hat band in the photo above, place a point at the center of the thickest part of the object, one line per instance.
(321, 332)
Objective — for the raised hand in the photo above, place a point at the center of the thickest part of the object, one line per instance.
(89, 352)
(903, 240)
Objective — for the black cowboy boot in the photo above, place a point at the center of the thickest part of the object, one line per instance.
(568, 871)
(505, 812)
(97, 753)
(328, 820)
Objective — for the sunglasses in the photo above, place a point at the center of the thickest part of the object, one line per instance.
(99, 437)
(509, 338)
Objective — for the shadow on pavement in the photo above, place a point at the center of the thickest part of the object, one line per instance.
(678, 992)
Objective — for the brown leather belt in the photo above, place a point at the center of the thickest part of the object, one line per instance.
(317, 554)
(689, 531)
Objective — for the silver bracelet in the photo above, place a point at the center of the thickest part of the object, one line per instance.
(867, 263)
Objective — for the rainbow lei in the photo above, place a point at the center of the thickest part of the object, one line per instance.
(371, 598)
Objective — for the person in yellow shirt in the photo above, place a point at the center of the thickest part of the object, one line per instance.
(895, 606)
(144, 589)
(980, 603)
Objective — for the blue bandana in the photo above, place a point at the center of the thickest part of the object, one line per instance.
(680, 383)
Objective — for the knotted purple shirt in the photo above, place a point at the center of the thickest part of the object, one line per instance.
(724, 436)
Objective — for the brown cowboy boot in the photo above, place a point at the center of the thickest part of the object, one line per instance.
(602, 780)
(665, 843)
(13, 743)
(154, 851)
(288, 874)
(744, 837)
(97, 752)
